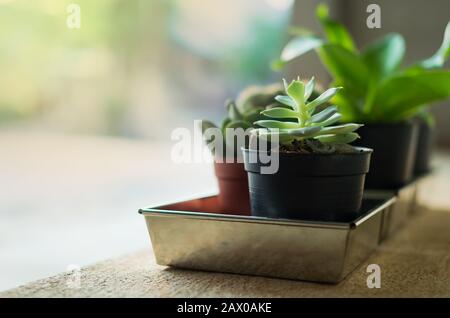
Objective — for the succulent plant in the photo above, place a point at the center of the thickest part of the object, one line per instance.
(234, 120)
(262, 97)
(377, 88)
(246, 111)
(305, 123)
(258, 97)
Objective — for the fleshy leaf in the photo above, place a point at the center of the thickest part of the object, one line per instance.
(296, 91)
(324, 114)
(323, 98)
(286, 100)
(305, 132)
(266, 134)
(224, 124)
(257, 97)
(253, 115)
(309, 88)
(238, 124)
(279, 112)
(333, 119)
(276, 124)
(233, 112)
(338, 139)
(205, 125)
(340, 129)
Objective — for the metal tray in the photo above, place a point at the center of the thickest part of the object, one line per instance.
(405, 206)
(194, 235)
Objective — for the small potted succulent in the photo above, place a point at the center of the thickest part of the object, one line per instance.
(320, 176)
(379, 93)
(231, 176)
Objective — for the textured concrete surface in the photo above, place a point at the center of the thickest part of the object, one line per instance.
(414, 263)
(71, 199)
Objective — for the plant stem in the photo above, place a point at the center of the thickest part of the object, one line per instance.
(303, 115)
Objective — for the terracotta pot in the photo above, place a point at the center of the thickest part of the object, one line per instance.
(233, 188)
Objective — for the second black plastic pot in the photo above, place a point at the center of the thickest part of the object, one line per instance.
(394, 152)
(319, 187)
(424, 149)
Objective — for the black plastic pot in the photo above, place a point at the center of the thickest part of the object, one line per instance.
(309, 186)
(424, 149)
(394, 151)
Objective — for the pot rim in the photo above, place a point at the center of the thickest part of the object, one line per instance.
(364, 150)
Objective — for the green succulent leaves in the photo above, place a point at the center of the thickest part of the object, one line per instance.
(305, 122)
(376, 88)
(278, 112)
(323, 98)
(235, 120)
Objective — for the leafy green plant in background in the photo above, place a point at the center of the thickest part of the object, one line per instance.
(377, 90)
(306, 123)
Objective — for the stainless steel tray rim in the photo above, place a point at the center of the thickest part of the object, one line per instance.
(262, 220)
(246, 219)
(375, 210)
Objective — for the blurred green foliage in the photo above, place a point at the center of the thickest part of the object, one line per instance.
(46, 66)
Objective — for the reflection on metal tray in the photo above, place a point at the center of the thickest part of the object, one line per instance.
(405, 206)
(194, 235)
